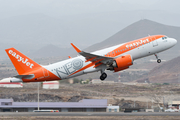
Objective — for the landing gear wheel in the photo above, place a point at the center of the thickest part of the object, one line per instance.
(103, 76)
(159, 60)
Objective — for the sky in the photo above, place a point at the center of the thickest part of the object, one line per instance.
(57, 8)
(32, 24)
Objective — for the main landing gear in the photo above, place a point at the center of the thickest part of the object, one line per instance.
(158, 60)
(103, 76)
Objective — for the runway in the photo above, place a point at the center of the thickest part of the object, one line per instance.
(88, 114)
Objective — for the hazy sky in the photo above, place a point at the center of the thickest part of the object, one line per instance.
(37, 23)
(58, 8)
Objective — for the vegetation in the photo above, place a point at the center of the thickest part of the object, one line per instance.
(166, 84)
(65, 81)
(76, 80)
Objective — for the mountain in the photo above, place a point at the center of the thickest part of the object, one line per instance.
(138, 30)
(51, 51)
(29, 33)
(168, 72)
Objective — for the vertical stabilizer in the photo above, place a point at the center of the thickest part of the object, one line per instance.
(22, 63)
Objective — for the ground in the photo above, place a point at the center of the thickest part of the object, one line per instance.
(116, 93)
(93, 118)
(125, 95)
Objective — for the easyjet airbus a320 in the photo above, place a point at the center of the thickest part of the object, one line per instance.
(115, 58)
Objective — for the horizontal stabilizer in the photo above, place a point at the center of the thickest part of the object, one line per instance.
(24, 76)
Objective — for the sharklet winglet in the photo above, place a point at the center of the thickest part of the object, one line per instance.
(77, 49)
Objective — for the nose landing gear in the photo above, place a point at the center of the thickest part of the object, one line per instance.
(158, 60)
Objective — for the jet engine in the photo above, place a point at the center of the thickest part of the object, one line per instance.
(122, 63)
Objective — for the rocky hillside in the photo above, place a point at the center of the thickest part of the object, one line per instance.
(168, 72)
(117, 94)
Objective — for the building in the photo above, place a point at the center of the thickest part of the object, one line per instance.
(149, 110)
(134, 110)
(51, 85)
(6, 83)
(11, 85)
(111, 108)
(85, 105)
(71, 81)
(174, 105)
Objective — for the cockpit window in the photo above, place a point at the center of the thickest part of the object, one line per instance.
(163, 38)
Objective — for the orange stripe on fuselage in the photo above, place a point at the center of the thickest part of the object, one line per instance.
(87, 66)
(41, 74)
(122, 49)
(132, 45)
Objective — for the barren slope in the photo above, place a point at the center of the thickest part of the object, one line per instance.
(168, 72)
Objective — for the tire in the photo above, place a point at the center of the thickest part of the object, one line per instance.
(103, 76)
(159, 61)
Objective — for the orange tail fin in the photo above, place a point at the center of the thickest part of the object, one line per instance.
(22, 63)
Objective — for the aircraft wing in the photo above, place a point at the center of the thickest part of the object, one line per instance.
(94, 58)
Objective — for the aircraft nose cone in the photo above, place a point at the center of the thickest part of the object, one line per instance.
(174, 41)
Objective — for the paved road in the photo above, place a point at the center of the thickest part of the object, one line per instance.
(87, 114)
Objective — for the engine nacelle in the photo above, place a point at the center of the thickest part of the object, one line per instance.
(122, 63)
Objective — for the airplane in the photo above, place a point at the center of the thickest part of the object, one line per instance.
(115, 58)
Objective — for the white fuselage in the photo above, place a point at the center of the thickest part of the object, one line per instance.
(66, 68)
